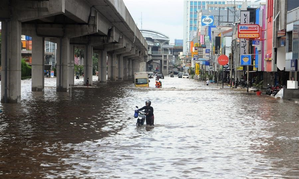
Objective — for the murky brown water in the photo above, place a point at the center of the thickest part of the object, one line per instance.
(200, 132)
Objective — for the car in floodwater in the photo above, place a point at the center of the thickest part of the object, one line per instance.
(180, 74)
(160, 75)
(185, 75)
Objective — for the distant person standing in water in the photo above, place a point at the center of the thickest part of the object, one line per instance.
(207, 82)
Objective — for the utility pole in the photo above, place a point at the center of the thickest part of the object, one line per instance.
(234, 11)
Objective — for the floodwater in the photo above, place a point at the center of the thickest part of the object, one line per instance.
(200, 132)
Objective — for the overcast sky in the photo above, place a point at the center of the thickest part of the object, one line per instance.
(164, 16)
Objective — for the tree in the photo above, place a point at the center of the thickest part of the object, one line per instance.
(25, 70)
(95, 59)
(79, 52)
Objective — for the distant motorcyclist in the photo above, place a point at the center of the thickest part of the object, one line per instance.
(149, 112)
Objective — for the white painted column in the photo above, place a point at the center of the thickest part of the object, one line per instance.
(63, 48)
(71, 66)
(88, 65)
(38, 64)
(11, 61)
(102, 66)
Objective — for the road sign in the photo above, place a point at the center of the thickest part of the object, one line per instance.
(246, 60)
(223, 60)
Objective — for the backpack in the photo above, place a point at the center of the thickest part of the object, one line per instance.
(136, 114)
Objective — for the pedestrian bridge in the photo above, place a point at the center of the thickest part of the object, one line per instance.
(102, 26)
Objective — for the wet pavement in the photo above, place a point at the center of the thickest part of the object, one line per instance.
(200, 132)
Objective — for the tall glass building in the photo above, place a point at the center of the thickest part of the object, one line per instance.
(224, 12)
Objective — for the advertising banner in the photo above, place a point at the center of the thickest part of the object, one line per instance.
(197, 68)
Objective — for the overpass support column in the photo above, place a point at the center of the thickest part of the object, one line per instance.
(102, 66)
(88, 65)
(63, 56)
(114, 67)
(71, 66)
(38, 79)
(121, 68)
(125, 62)
(11, 61)
(112, 61)
(131, 73)
(109, 66)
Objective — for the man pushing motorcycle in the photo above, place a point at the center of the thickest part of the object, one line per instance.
(149, 112)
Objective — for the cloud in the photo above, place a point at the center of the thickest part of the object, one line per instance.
(164, 16)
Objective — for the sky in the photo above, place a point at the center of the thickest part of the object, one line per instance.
(164, 16)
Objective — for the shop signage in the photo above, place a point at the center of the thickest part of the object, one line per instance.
(246, 60)
(223, 60)
(249, 31)
(281, 33)
(245, 15)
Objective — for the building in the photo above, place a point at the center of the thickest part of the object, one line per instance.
(223, 12)
(161, 55)
(50, 55)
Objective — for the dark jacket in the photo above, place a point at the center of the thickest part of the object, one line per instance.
(149, 111)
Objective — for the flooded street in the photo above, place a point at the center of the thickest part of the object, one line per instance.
(200, 132)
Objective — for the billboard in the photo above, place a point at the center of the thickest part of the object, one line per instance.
(207, 20)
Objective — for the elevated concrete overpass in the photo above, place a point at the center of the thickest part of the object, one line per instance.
(102, 26)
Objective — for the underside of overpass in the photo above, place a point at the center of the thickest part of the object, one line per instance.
(105, 27)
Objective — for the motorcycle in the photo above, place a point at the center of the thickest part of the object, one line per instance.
(273, 90)
(140, 115)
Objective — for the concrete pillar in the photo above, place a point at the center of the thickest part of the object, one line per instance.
(102, 66)
(125, 67)
(63, 53)
(71, 66)
(11, 61)
(112, 70)
(113, 67)
(130, 76)
(121, 68)
(109, 65)
(88, 65)
(38, 64)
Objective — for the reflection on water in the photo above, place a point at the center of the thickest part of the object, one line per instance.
(200, 132)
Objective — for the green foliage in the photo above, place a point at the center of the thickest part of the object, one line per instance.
(95, 63)
(191, 71)
(258, 85)
(25, 69)
(79, 52)
(79, 69)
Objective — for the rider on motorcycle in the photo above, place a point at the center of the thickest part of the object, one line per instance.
(149, 112)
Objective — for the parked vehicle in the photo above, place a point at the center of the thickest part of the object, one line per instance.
(160, 75)
(180, 74)
(273, 90)
(185, 75)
